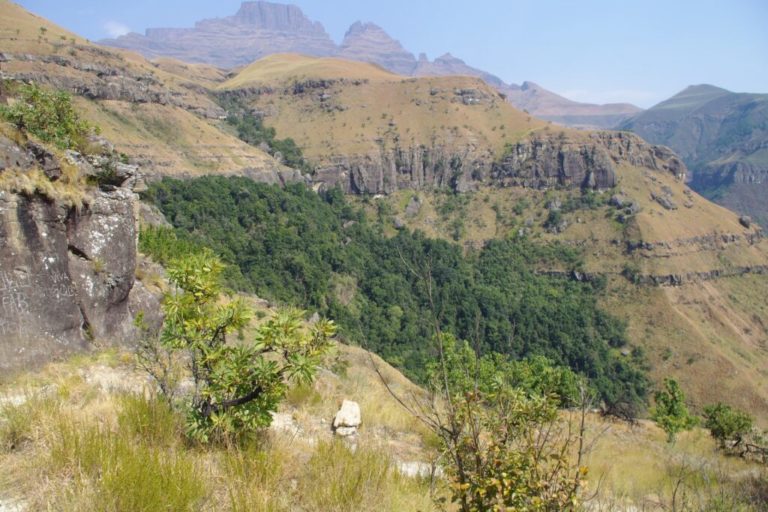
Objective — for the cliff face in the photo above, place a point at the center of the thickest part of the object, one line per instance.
(541, 162)
(67, 274)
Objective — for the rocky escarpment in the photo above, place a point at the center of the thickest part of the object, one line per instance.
(545, 162)
(542, 161)
(67, 272)
(723, 138)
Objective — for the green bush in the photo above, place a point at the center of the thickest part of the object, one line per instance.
(48, 115)
(726, 424)
(236, 385)
(670, 412)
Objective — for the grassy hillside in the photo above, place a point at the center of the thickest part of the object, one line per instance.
(294, 67)
(695, 331)
(342, 109)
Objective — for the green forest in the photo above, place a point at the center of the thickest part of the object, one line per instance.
(294, 246)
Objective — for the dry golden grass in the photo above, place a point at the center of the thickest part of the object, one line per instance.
(288, 67)
(80, 442)
(708, 336)
(86, 438)
(353, 118)
(176, 141)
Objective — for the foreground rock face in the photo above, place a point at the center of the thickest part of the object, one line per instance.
(67, 274)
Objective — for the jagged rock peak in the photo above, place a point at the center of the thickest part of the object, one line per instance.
(368, 42)
(272, 16)
(360, 27)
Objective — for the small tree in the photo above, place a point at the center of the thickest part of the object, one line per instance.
(671, 413)
(727, 425)
(236, 385)
(506, 447)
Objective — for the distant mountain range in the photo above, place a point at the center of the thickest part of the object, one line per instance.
(262, 28)
(723, 138)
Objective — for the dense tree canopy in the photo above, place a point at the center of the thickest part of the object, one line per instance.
(316, 251)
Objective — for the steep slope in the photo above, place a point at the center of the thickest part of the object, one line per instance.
(159, 115)
(257, 29)
(263, 28)
(723, 138)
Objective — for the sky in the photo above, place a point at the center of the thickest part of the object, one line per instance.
(599, 51)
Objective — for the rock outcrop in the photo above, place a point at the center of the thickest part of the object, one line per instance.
(85, 76)
(67, 272)
(723, 138)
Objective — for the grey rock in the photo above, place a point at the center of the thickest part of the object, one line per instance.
(664, 201)
(66, 274)
(370, 43)
(414, 207)
(746, 221)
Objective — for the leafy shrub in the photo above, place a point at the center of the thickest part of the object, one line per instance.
(236, 386)
(671, 413)
(726, 424)
(48, 115)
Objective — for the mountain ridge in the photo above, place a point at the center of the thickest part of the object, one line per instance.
(723, 138)
(262, 28)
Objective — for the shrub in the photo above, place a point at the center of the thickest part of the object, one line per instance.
(671, 413)
(48, 115)
(727, 425)
(236, 386)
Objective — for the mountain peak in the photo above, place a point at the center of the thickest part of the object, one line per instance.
(703, 88)
(360, 27)
(271, 16)
(369, 42)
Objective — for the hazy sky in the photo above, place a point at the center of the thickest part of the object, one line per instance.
(590, 50)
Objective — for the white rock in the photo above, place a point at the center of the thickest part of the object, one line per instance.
(346, 431)
(348, 415)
